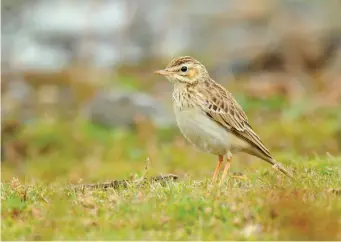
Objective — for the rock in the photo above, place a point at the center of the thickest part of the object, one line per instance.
(28, 54)
(17, 100)
(120, 109)
(51, 34)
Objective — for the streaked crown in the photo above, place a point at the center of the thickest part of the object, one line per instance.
(184, 69)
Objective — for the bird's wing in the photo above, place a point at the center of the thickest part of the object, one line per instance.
(218, 104)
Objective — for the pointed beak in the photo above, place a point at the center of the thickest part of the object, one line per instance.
(162, 72)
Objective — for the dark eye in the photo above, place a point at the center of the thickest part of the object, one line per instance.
(184, 68)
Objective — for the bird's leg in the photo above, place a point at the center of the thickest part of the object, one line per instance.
(216, 172)
(226, 168)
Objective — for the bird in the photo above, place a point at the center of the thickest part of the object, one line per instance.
(209, 116)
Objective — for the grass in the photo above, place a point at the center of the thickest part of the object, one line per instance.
(37, 203)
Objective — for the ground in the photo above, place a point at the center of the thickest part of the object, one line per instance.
(39, 204)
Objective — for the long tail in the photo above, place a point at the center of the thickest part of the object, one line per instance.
(276, 165)
(257, 148)
(268, 158)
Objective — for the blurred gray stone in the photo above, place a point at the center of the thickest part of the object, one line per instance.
(17, 101)
(119, 109)
(50, 34)
(30, 55)
(72, 18)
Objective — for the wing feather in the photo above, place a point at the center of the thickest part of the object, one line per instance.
(220, 106)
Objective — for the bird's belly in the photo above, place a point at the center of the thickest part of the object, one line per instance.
(202, 132)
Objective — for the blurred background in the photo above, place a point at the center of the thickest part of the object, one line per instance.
(78, 90)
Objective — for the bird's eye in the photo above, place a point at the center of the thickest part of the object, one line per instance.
(184, 68)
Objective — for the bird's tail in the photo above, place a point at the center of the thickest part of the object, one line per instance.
(268, 158)
(278, 166)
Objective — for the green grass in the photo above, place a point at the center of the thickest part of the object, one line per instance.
(37, 203)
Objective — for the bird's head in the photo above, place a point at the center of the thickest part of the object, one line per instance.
(184, 70)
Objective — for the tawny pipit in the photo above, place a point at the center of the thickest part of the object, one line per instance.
(209, 117)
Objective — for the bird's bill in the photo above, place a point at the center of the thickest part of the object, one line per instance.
(163, 72)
